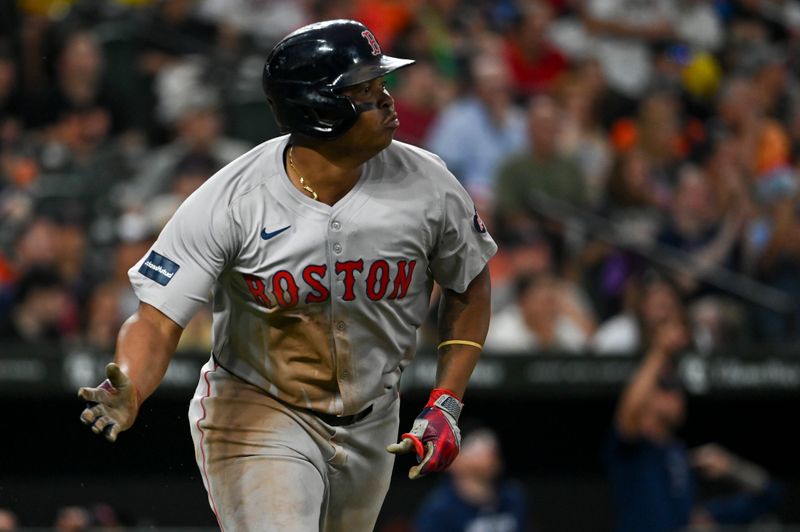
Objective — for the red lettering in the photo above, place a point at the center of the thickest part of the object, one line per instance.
(256, 287)
(278, 280)
(376, 49)
(377, 292)
(286, 293)
(320, 291)
(348, 267)
(403, 279)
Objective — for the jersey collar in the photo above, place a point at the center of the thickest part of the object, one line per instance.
(297, 198)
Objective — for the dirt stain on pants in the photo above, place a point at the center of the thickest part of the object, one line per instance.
(267, 466)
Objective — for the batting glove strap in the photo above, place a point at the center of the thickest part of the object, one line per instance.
(446, 401)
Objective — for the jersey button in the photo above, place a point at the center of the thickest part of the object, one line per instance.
(340, 325)
(345, 374)
(335, 225)
(337, 248)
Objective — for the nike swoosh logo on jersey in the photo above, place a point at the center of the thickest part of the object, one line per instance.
(267, 236)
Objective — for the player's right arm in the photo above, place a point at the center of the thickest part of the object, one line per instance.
(145, 345)
(172, 281)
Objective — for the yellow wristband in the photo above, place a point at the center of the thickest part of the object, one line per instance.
(460, 342)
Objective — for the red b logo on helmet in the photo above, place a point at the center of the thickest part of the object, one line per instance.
(376, 48)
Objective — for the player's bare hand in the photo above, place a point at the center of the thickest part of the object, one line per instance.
(113, 405)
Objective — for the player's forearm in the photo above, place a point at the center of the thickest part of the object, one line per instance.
(145, 345)
(463, 316)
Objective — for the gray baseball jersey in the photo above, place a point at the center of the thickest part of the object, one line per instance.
(318, 305)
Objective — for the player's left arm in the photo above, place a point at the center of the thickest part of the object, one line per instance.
(458, 263)
(463, 324)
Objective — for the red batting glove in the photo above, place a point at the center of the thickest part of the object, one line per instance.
(434, 437)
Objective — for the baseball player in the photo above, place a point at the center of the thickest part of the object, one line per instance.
(320, 248)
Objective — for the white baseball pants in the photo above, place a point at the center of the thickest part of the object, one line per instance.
(269, 467)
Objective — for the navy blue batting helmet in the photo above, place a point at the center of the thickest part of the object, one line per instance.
(307, 69)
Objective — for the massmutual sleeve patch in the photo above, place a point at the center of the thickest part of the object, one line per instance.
(159, 268)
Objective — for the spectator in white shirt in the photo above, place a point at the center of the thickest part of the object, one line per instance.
(655, 301)
(549, 315)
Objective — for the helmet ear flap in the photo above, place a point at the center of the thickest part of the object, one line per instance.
(313, 111)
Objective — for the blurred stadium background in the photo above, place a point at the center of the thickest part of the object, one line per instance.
(636, 161)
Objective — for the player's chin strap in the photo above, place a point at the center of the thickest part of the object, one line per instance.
(364, 107)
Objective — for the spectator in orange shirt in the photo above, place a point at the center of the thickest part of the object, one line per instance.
(386, 18)
(762, 142)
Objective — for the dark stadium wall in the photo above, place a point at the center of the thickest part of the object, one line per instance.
(553, 445)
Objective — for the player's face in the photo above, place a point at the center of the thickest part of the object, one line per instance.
(377, 123)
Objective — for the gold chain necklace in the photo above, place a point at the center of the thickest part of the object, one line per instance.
(302, 180)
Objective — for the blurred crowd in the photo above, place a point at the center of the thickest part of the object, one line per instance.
(636, 160)
(99, 516)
